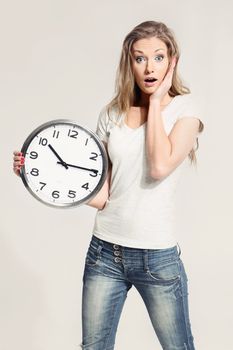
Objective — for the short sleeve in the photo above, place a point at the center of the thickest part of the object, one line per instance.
(102, 125)
(191, 108)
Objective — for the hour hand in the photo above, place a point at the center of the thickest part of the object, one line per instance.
(80, 167)
(58, 157)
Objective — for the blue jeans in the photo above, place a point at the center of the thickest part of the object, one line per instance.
(157, 274)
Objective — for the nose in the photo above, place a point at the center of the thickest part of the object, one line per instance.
(149, 66)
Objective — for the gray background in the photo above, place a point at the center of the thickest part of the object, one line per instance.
(59, 59)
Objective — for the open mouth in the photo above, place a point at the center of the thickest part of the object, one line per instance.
(150, 80)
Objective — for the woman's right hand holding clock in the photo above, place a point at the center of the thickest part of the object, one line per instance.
(18, 162)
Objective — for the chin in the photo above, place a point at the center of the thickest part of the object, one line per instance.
(149, 90)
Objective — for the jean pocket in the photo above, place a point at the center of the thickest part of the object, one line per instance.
(93, 255)
(165, 273)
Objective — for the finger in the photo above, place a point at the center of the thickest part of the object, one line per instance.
(18, 153)
(16, 170)
(172, 67)
(168, 76)
(18, 160)
(17, 166)
(173, 64)
(18, 163)
(18, 157)
(169, 72)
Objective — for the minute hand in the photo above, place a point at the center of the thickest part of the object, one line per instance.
(79, 167)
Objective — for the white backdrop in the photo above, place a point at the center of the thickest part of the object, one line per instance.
(59, 59)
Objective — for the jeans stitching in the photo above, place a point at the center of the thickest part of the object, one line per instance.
(186, 319)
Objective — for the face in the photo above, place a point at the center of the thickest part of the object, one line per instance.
(150, 59)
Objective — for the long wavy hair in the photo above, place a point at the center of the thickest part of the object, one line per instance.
(127, 92)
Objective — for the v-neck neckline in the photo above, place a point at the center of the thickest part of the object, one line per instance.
(144, 124)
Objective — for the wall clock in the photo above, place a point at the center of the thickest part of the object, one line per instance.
(65, 165)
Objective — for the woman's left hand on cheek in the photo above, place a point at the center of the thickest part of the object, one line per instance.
(165, 84)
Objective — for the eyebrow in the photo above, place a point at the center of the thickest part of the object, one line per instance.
(142, 51)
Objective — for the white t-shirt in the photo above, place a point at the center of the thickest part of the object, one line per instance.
(140, 210)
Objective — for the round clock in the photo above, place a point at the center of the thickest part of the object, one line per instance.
(65, 165)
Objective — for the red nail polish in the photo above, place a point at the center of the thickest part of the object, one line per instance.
(22, 161)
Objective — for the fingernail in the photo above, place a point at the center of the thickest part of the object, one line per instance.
(21, 161)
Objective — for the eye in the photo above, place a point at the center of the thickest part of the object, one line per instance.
(160, 56)
(138, 59)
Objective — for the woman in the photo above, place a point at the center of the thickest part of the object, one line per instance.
(149, 129)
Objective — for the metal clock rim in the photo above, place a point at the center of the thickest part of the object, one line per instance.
(93, 135)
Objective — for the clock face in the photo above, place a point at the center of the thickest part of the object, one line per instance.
(65, 163)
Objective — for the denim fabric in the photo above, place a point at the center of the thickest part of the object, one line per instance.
(160, 278)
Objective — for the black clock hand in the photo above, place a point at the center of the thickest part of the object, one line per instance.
(57, 155)
(80, 167)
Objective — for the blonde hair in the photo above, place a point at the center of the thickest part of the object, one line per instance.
(127, 92)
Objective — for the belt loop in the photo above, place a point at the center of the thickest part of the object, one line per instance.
(145, 259)
(179, 251)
